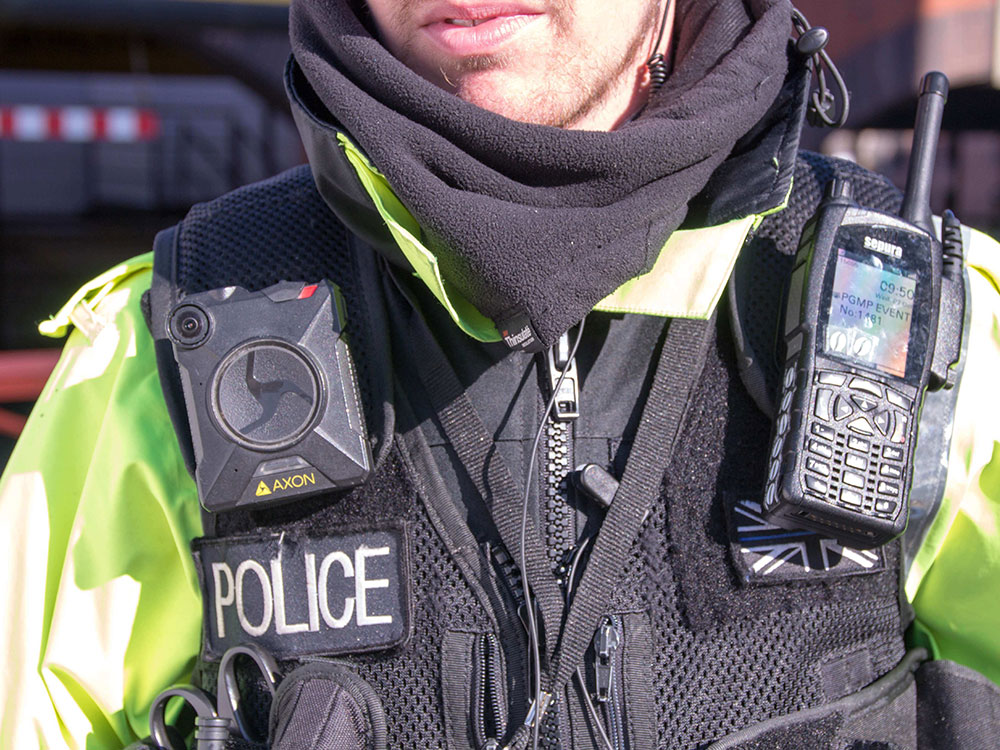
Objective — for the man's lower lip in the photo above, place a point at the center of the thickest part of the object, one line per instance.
(480, 39)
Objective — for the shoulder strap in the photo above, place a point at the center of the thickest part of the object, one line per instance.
(680, 364)
(682, 360)
(162, 298)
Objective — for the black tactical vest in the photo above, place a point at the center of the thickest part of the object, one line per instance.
(719, 628)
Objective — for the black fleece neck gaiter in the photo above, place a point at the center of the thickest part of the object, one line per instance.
(530, 220)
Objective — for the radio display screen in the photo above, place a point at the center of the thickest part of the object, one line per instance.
(871, 310)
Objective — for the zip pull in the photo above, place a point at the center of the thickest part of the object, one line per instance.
(596, 483)
(606, 643)
(567, 405)
(537, 712)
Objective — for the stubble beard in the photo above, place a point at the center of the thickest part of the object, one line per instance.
(571, 86)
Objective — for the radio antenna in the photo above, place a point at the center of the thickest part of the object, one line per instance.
(926, 129)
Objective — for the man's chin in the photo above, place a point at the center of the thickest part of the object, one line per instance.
(506, 94)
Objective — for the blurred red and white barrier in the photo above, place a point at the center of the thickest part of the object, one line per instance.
(77, 124)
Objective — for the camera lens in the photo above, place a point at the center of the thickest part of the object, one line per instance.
(189, 325)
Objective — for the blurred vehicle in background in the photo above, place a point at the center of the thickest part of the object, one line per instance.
(117, 115)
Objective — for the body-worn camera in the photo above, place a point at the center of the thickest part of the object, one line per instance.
(271, 394)
(861, 328)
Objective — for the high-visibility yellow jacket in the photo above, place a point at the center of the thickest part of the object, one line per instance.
(97, 511)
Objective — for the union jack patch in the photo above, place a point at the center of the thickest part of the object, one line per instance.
(766, 553)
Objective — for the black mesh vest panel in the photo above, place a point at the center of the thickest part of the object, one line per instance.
(704, 654)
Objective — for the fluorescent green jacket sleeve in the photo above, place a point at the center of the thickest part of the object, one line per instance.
(100, 596)
(954, 583)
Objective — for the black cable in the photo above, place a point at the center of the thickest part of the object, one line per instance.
(534, 647)
(812, 43)
(663, 26)
(571, 575)
(580, 681)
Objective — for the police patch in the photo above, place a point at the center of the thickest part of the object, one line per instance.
(298, 595)
(766, 553)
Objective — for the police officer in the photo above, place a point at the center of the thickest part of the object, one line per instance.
(517, 200)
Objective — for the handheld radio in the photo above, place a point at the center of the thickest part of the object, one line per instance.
(860, 328)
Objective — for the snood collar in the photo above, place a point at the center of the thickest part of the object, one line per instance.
(531, 222)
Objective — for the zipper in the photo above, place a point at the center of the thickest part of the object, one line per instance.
(608, 678)
(489, 709)
(560, 516)
(510, 574)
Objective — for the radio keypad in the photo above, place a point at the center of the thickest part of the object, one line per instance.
(854, 480)
(888, 488)
(851, 497)
(855, 419)
(858, 444)
(899, 434)
(822, 408)
(855, 461)
(842, 409)
(816, 485)
(897, 399)
(818, 467)
(831, 378)
(861, 425)
(820, 449)
(860, 384)
(821, 430)
(865, 403)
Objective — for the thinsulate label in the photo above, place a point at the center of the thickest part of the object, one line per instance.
(298, 595)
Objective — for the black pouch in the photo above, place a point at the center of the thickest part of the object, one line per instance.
(957, 708)
(326, 706)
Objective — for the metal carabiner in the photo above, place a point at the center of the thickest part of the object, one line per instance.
(217, 718)
(228, 688)
(211, 731)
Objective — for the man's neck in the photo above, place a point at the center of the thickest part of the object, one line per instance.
(624, 104)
